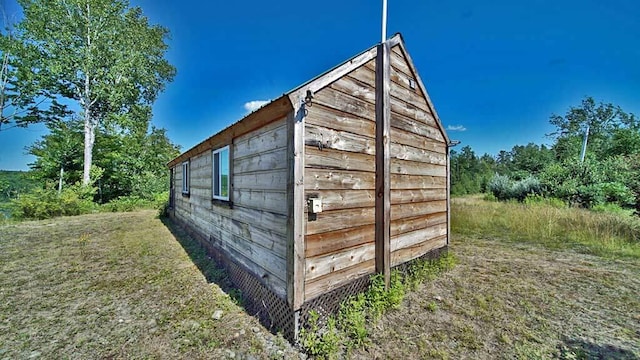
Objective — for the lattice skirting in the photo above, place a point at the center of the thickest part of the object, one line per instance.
(273, 311)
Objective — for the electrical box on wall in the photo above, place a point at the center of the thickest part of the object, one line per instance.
(315, 205)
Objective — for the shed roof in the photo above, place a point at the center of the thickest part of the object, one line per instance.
(282, 106)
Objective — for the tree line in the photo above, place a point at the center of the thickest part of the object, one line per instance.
(609, 172)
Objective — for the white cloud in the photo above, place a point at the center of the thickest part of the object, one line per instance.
(254, 105)
(456, 128)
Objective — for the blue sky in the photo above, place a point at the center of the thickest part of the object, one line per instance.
(496, 69)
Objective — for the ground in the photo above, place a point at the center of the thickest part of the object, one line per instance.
(128, 285)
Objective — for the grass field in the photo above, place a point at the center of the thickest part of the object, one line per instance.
(126, 285)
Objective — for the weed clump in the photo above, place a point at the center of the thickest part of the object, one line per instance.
(349, 328)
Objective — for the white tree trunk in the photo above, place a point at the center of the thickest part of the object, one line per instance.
(60, 181)
(89, 139)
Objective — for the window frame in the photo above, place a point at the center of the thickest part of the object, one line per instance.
(215, 169)
(186, 177)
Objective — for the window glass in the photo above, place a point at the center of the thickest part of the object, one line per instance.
(224, 172)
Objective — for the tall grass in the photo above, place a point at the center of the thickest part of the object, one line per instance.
(603, 234)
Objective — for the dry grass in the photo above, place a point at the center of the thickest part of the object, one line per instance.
(519, 296)
(115, 286)
(603, 234)
(122, 286)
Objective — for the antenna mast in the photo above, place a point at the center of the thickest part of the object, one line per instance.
(384, 21)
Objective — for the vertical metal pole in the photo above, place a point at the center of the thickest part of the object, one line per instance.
(384, 21)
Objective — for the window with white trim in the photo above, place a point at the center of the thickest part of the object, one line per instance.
(221, 174)
(185, 177)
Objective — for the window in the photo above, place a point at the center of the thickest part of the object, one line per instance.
(221, 175)
(185, 177)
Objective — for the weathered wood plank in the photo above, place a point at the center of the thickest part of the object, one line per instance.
(344, 199)
(328, 242)
(273, 282)
(399, 63)
(332, 98)
(264, 161)
(356, 88)
(273, 201)
(412, 238)
(340, 121)
(331, 159)
(409, 110)
(406, 225)
(320, 179)
(402, 211)
(274, 266)
(400, 182)
(268, 239)
(261, 141)
(322, 137)
(321, 265)
(264, 219)
(411, 139)
(340, 219)
(406, 254)
(416, 127)
(406, 167)
(417, 195)
(335, 279)
(262, 180)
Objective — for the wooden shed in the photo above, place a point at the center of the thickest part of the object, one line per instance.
(303, 199)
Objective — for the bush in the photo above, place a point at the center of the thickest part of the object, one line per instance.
(47, 203)
(504, 188)
(158, 201)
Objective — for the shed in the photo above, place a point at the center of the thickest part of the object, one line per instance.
(339, 178)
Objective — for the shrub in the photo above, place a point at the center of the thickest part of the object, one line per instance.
(48, 203)
(504, 188)
(500, 186)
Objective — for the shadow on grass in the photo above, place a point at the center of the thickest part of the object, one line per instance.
(580, 349)
(212, 271)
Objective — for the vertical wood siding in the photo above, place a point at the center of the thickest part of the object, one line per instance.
(254, 230)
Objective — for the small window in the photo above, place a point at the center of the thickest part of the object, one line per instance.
(221, 175)
(185, 177)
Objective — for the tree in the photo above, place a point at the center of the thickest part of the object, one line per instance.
(59, 153)
(601, 120)
(101, 55)
(21, 101)
(133, 161)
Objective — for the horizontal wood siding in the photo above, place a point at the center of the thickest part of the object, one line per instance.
(253, 231)
(340, 170)
(418, 169)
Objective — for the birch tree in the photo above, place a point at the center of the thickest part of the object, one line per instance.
(103, 56)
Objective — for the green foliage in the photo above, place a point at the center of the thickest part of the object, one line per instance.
(322, 343)
(47, 203)
(352, 319)
(533, 200)
(14, 183)
(134, 202)
(358, 312)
